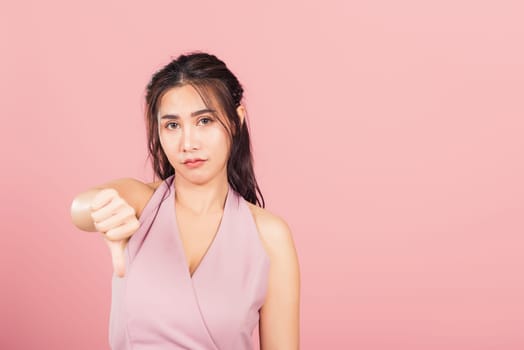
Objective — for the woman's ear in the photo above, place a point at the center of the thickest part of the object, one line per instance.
(241, 111)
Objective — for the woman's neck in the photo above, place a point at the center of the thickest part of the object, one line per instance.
(202, 199)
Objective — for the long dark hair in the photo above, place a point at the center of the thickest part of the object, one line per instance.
(220, 90)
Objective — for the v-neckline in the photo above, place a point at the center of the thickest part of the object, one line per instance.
(214, 241)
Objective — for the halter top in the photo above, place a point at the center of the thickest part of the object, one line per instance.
(159, 305)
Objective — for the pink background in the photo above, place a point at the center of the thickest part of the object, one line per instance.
(389, 134)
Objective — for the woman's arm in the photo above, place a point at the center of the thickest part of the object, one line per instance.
(134, 192)
(280, 315)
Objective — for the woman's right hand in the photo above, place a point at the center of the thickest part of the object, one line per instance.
(116, 220)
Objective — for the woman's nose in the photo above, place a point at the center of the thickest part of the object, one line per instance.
(188, 139)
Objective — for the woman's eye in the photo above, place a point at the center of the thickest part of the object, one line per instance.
(168, 124)
(205, 120)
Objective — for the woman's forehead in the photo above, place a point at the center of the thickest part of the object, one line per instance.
(181, 100)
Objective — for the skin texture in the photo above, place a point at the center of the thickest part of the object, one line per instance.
(200, 197)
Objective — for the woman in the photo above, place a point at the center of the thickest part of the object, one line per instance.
(198, 263)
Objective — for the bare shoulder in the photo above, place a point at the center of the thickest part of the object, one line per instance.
(135, 192)
(274, 231)
(154, 185)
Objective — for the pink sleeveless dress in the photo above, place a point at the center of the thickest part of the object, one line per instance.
(158, 305)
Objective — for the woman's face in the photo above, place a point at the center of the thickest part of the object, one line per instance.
(189, 131)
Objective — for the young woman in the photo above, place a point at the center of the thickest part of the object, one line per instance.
(198, 262)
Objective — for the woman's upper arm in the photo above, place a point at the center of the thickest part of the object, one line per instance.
(280, 314)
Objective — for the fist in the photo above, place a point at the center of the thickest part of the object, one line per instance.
(116, 220)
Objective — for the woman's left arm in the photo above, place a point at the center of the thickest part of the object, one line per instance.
(280, 314)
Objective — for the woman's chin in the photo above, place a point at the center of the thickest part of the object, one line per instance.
(196, 179)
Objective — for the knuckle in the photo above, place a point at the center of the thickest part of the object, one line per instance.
(117, 201)
(112, 235)
(101, 227)
(135, 224)
(111, 191)
(128, 229)
(129, 211)
(98, 195)
(103, 193)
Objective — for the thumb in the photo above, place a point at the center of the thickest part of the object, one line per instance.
(117, 249)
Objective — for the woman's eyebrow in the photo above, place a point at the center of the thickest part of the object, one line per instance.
(194, 114)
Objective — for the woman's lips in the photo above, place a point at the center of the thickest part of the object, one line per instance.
(194, 163)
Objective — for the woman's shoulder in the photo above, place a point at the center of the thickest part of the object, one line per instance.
(154, 185)
(264, 216)
(273, 230)
(144, 192)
